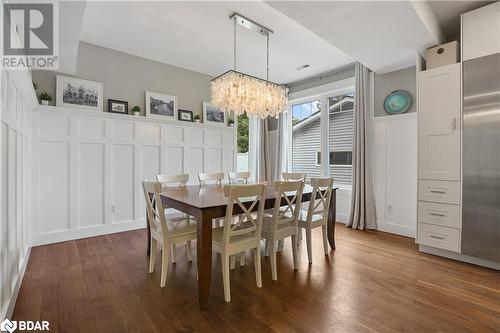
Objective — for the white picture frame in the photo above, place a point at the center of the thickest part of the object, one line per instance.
(167, 110)
(68, 93)
(211, 115)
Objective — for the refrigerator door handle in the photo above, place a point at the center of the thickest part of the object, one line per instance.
(454, 123)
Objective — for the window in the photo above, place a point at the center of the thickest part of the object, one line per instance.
(341, 138)
(242, 139)
(310, 136)
(341, 158)
(306, 137)
(336, 158)
(304, 110)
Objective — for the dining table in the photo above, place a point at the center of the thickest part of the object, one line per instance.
(208, 202)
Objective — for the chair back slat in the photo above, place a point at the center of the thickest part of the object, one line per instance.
(150, 199)
(173, 180)
(239, 177)
(291, 193)
(155, 208)
(238, 195)
(215, 178)
(287, 176)
(320, 199)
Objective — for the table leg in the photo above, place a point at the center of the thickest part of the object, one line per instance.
(204, 255)
(332, 215)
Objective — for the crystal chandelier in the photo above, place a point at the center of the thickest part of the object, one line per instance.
(241, 93)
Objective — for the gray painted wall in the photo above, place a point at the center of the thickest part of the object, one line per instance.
(404, 79)
(126, 77)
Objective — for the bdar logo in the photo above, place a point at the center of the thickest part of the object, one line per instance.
(8, 326)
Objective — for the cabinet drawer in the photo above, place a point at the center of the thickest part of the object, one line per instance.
(439, 191)
(439, 214)
(439, 237)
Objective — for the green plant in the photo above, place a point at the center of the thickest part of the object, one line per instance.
(242, 131)
(45, 96)
(196, 117)
(136, 109)
(230, 121)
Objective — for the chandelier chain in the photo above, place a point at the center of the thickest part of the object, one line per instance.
(267, 57)
(234, 45)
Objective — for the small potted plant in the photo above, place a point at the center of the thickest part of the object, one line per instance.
(230, 122)
(136, 110)
(197, 118)
(45, 98)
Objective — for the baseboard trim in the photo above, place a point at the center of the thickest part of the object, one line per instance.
(66, 235)
(13, 298)
(396, 229)
(460, 257)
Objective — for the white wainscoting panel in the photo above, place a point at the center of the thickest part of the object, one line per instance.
(93, 164)
(90, 184)
(394, 160)
(122, 183)
(17, 103)
(54, 182)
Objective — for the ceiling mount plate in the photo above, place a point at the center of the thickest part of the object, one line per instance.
(249, 24)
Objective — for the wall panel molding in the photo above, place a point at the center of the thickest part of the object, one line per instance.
(95, 161)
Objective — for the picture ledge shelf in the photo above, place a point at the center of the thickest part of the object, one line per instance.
(128, 117)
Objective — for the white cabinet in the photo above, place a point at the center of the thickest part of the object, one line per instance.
(439, 123)
(481, 32)
(439, 157)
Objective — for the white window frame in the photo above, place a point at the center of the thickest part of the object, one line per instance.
(320, 93)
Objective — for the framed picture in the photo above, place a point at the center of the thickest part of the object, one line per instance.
(185, 115)
(212, 115)
(161, 106)
(78, 93)
(115, 106)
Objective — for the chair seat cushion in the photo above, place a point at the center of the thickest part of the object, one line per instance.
(267, 225)
(180, 228)
(218, 232)
(315, 218)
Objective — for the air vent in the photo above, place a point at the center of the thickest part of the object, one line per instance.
(303, 67)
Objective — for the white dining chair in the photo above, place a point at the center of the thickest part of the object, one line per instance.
(175, 215)
(164, 232)
(283, 222)
(239, 177)
(316, 214)
(288, 176)
(243, 235)
(210, 178)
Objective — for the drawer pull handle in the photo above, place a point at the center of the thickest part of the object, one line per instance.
(438, 192)
(436, 237)
(437, 214)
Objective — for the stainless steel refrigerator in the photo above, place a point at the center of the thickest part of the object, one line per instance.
(481, 158)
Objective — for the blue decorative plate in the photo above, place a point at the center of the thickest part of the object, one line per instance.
(397, 102)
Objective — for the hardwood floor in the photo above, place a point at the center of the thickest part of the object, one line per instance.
(373, 282)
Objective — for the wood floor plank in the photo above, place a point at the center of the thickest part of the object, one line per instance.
(373, 282)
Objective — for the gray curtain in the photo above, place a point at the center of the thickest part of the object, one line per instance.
(362, 201)
(260, 161)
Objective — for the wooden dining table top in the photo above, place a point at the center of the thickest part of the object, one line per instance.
(208, 196)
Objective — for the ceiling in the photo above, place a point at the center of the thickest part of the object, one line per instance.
(383, 35)
(199, 36)
(448, 14)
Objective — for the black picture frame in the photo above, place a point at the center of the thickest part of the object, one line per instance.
(122, 103)
(182, 113)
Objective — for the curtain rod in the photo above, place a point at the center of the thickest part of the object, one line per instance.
(321, 75)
